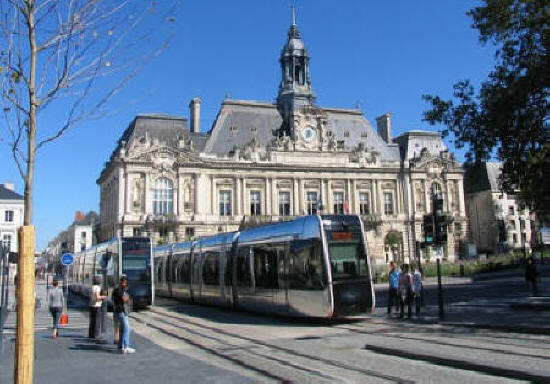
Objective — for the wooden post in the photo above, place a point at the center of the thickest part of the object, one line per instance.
(24, 342)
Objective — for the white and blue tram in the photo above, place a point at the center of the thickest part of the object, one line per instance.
(130, 256)
(313, 266)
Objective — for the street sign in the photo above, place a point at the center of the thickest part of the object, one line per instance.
(67, 259)
(545, 235)
(438, 252)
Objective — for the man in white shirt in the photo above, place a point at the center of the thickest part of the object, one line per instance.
(96, 300)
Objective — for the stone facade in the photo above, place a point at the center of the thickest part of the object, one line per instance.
(497, 222)
(264, 162)
(12, 207)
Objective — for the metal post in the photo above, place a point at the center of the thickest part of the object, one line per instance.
(439, 290)
(4, 300)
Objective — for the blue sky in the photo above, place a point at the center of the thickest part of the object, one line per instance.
(384, 54)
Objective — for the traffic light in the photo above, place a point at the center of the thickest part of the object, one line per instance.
(440, 224)
(428, 229)
(439, 220)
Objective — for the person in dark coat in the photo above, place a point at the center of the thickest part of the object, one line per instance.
(531, 275)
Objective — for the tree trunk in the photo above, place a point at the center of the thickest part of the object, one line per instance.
(29, 177)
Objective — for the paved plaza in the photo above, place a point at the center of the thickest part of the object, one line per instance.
(492, 333)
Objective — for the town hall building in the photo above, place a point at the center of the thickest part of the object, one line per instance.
(266, 162)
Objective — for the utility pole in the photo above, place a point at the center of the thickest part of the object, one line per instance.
(24, 342)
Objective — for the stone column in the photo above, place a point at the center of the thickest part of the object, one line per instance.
(213, 196)
(267, 197)
(180, 195)
(427, 199)
(301, 195)
(349, 197)
(243, 197)
(238, 199)
(274, 198)
(147, 194)
(460, 189)
(448, 192)
(355, 197)
(373, 197)
(296, 199)
(198, 207)
(380, 196)
(126, 192)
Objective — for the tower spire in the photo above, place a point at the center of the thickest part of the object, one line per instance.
(293, 12)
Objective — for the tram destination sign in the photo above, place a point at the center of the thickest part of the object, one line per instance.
(67, 259)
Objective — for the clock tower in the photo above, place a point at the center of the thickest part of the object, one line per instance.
(295, 93)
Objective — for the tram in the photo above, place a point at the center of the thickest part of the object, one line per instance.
(129, 256)
(313, 266)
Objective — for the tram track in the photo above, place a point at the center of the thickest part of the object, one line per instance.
(202, 330)
(401, 336)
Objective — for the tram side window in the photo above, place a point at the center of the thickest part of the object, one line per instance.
(210, 270)
(158, 262)
(183, 268)
(306, 264)
(228, 268)
(243, 267)
(265, 266)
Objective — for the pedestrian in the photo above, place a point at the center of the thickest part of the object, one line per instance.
(121, 310)
(96, 299)
(417, 288)
(55, 303)
(405, 284)
(531, 275)
(393, 279)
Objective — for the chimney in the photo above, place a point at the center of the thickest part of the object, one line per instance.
(9, 186)
(195, 111)
(383, 125)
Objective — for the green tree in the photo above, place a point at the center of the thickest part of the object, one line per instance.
(508, 117)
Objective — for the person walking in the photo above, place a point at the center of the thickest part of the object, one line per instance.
(55, 303)
(417, 289)
(531, 275)
(121, 310)
(96, 299)
(393, 280)
(405, 284)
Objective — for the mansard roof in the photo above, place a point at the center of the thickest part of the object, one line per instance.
(239, 121)
(8, 194)
(412, 143)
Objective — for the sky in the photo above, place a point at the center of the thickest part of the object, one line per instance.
(383, 55)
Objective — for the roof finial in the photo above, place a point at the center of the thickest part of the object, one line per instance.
(293, 12)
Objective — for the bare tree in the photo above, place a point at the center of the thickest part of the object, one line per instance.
(76, 53)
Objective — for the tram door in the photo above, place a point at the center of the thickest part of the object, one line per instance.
(196, 272)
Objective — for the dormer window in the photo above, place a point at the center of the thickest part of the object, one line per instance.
(346, 134)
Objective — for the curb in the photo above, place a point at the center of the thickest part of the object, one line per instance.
(501, 327)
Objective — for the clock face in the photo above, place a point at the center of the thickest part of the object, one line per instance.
(309, 134)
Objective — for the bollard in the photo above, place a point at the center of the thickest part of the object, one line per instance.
(439, 290)
(461, 270)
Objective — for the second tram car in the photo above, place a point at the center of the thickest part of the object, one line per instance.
(313, 266)
(130, 256)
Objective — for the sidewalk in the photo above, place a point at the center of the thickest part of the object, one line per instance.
(507, 305)
(73, 358)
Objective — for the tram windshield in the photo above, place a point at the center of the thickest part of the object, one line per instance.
(348, 259)
(136, 260)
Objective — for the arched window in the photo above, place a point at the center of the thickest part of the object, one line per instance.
(163, 197)
(436, 190)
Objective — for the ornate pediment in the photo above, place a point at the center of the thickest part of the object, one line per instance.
(434, 164)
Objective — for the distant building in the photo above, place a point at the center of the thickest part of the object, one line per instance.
(12, 207)
(263, 162)
(78, 236)
(498, 223)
